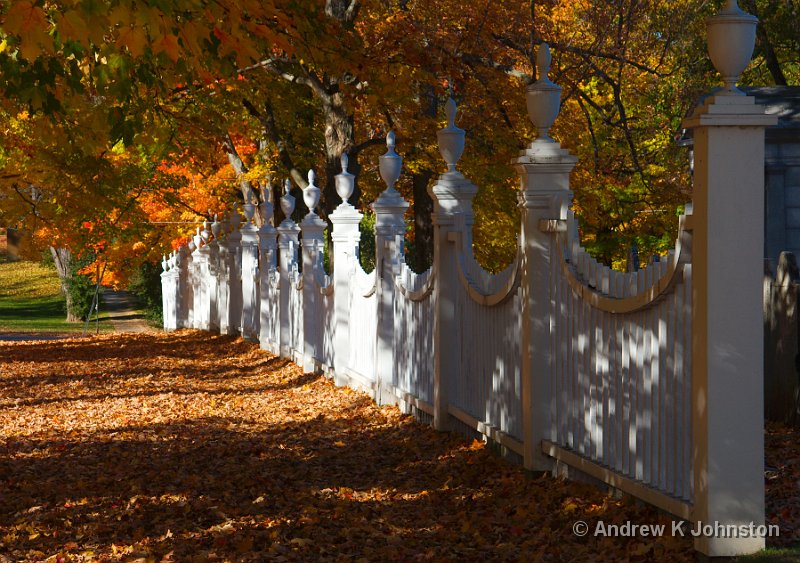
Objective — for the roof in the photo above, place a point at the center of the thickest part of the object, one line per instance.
(783, 101)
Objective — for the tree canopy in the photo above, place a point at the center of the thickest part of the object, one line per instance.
(125, 123)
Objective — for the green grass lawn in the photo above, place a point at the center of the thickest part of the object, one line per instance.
(31, 300)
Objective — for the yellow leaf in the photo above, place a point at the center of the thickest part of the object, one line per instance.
(477, 445)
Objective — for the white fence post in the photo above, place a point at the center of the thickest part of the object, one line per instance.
(232, 254)
(312, 227)
(452, 214)
(390, 229)
(269, 338)
(345, 237)
(183, 258)
(727, 324)
(544, 170)
(288, 235)
(250, 316)
(223, 277)
(213, 277)
(204, 270)
(169, 293)
(198, 259)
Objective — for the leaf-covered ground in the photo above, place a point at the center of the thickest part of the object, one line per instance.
(192, 447)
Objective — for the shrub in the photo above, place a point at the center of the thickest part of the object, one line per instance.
(145, 285)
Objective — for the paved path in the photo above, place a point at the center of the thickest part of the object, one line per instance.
(118, 307)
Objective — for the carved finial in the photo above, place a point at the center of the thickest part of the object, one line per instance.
(543, 61)
(164, 263)
(543, 97)
(731, 39)
(390, 164)
(450, 111)
(311, 194)
(287, 201)
(451, 138)
(345, 182)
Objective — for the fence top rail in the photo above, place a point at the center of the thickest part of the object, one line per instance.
(484, 287)
(414, 286)
(587, 288)
(365, 283)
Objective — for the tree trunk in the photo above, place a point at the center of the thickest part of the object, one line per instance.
(422, 256)
(339, 137)
(62, 258)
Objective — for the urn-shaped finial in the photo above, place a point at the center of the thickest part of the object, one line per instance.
(249, 210)
(451, 138)
(216, 227)
(390, 163)
(311, 193)
(543, 97)
(198, 239)
(164, 263)
(205, 234)
(287, 201)
(345, 182)
(191, 245)
(178, 255)
(731, 38)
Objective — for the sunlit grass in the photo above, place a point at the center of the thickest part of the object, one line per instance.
(31, 299)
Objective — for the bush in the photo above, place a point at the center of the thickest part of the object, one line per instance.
(80, 288)
(145, 285)
(367, 244)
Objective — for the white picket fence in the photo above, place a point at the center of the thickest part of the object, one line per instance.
(650, 381)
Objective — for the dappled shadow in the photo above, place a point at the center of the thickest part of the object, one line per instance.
(240, 456)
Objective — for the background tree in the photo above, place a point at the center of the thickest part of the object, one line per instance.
(142, 119)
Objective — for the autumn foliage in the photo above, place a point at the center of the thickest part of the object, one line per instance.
(192, 447)
(143, 118)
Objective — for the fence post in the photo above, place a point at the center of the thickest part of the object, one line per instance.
(452, 214)
(345, 237)
(268, 336)
(205, 274)
(288, 235)
(213, 278)
(727, 322)
(544, 169)
(197, 281)
(249, 319)
(183, 259)
(169, 287)
(390, 229)
(223, 277)
(312, 227)
(233, 268)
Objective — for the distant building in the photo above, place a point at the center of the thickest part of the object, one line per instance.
(782, 169)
